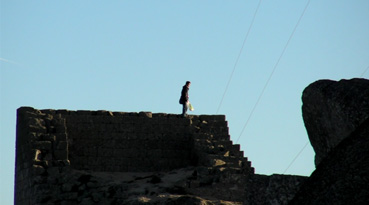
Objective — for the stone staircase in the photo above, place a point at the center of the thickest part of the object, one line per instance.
(221, 164)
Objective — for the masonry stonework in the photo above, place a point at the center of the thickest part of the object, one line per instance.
(88, 157)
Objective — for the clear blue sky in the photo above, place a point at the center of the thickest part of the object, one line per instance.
(136, 55)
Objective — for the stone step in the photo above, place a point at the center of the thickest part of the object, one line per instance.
(231, 170)
(224, 137)
(224, 148)
(213, 132)
(216, 143)
(225, 170)
(236, 147)
(230, 174)
(222, 161)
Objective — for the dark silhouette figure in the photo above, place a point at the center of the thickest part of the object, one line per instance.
(184, 100)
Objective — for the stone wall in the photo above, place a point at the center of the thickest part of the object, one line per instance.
(41, 148)
(274, 189)
(122, 142)
(53, 144)
(94, 157)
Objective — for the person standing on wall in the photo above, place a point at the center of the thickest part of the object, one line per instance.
(184, 100)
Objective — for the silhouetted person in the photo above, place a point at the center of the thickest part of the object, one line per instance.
(184, 98)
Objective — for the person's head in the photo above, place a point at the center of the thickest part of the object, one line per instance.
(188, 83)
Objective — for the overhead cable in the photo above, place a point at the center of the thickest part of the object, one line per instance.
(239, 54)
(364, 71)
(275, 66)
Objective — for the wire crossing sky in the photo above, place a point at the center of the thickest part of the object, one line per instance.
(238, 57)
(271, 74)
(133, 56)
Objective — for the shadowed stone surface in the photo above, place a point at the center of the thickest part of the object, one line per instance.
(84, 157)
(332, 111)
(336, 116)
(343, 176)
(104, 157)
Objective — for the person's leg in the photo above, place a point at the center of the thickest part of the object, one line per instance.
(184, 110)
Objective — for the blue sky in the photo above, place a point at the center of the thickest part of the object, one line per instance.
(136, 55)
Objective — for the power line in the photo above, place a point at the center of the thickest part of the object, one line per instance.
(295, 157)
(275, 66)
(364, 71)
(239, 54)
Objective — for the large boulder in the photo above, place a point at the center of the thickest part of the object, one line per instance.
(343, 176)
(336, 116)
(332, 111)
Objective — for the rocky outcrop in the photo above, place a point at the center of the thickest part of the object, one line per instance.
(343, 176)
(332, 111)
(274, 189)
(336, 116)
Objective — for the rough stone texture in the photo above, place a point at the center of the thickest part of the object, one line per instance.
(274, 189)
(343, 176)
(60, 153)
(332, 111)
(336, 116)
(104, 157)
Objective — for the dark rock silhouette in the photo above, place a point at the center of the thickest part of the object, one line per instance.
(332, 111)
(342, 177)
(336, 115)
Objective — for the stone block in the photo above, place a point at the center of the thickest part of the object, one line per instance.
(122, 161)
(36, 129)
(67, 187)
(102, 113)
(69, 202)
(42, 145)
(145, 114)
(37, 122)
(119, 114)
(117, 153)
(61, 154)
(212, 117)
(38, 154)
(53, 171)
(62, 112)
(151, 144)
(48, 111)
(69, 196)
(60, 163)
(62, 145)
(38, 170)
(60, 137)
(83, 112)
(105, 152)
(132, 153)
(47, 137)
(155, 154)
(90, 151)
(60, 128)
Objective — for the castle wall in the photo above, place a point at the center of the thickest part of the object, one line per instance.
(41, 149)
(128, 142)
(71, 157)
